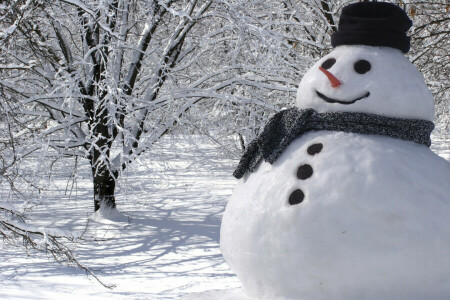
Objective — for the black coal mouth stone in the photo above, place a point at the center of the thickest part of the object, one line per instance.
(331, 100)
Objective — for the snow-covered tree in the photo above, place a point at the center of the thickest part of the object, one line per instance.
(106, 79)
(430, 48)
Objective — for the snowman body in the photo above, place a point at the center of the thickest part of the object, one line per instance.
(373, 223)
(342, 215)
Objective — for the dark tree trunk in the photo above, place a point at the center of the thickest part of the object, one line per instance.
(104, 187)
(327, 12)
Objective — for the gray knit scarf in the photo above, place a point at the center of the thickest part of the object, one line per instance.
(289, 124)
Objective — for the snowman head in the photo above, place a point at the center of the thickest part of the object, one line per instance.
(367, 72)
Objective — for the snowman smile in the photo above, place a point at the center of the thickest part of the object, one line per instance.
(331, 100)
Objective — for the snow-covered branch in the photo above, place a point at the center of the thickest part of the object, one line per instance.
(15, 231)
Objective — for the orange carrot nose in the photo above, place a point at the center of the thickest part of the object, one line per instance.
(334, 81)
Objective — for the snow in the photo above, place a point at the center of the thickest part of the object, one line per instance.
(107, 215)
(231, 294)
(396, 88)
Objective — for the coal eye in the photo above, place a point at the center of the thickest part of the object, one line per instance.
(362, 66)
(328, 63)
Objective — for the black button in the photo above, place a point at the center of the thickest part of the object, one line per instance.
(304, 172)
(296, 197)
(314, 148)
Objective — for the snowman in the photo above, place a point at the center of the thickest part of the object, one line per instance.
(340, 197)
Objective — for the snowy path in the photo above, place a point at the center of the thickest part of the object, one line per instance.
(163, 246)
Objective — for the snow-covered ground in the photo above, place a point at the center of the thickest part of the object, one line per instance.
(164, 244)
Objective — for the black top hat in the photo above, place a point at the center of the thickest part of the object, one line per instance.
(373, 24)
